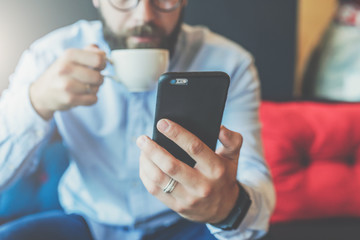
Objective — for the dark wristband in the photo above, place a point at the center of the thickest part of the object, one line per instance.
(238, 213)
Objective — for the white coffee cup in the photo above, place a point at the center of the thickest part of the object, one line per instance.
(139, 69)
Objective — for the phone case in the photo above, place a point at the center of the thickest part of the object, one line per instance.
(196, 101)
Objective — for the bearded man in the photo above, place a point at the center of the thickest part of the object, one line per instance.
(114, 187)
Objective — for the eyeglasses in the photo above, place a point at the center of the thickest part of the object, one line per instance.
(161, 5)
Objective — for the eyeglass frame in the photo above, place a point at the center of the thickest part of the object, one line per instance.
(152, 3)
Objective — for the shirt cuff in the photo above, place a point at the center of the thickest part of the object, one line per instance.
(246, 230)
(26, 121)
(24, 130)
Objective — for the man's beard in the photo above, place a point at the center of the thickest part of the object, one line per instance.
(150, 30)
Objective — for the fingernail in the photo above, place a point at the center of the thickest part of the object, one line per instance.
(163, 125)
(141, 141)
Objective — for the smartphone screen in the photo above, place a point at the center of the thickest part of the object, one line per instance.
(196, 101)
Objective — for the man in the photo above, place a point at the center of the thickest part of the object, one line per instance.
(105, 192)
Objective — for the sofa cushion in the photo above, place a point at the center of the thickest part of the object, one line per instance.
(315, 229)
(37, 191)
(313, 151)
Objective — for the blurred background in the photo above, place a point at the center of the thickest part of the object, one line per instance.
(304, 50)
(24, 21)
(281, 34)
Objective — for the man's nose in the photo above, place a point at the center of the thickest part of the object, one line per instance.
(145, 12)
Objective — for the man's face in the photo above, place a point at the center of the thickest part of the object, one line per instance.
(141, 27)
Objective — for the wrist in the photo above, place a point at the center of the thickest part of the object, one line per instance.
(228, 205)
(36, 103)
(238, 212)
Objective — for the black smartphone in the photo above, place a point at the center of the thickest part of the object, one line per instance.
(196, 101)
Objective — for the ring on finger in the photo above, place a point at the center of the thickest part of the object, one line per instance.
(170, 186)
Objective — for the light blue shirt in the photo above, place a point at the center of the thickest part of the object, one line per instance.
(102, 182)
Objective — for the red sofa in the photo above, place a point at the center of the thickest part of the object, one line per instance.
(313, 151)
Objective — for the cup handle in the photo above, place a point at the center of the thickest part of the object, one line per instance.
(108, 59)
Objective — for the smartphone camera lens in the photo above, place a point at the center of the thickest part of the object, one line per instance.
(179, 81)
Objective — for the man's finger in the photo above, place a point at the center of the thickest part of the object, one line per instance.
(92, 46)
(153, 172)
(83, 100)
(159, 180)
(168, 164)
(76, 87)
(231, 141)
(151, 186)
(167, 199)
(205, 158)
(87, 75)
(92, 59)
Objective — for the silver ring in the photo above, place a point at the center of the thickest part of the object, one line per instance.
(88, 88)
(170, 186)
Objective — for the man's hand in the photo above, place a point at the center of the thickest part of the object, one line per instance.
(205, 193)
(73, 80)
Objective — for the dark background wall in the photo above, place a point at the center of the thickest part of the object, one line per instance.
(265, 27)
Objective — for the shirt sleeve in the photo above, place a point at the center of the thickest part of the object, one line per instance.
(22, 130)
(241, 115)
